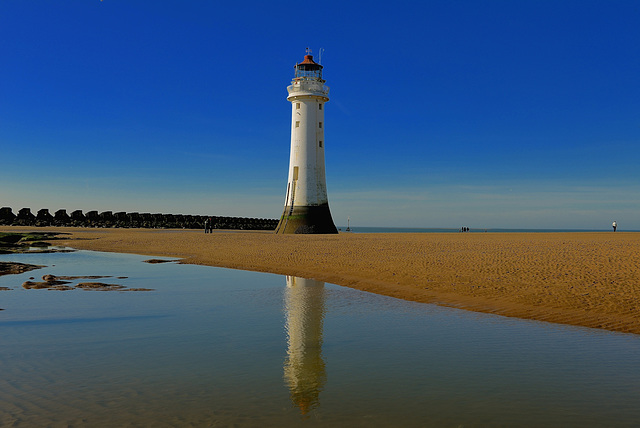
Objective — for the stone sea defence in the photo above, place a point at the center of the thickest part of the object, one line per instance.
(43, 218)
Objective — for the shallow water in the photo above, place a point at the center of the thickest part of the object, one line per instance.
(217, 347)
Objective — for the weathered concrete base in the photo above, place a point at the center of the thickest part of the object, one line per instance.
(313, 219)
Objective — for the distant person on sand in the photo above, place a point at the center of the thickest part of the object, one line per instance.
(615, 225)
(206, 226)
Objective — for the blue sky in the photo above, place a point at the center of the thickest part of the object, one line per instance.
(520, 114)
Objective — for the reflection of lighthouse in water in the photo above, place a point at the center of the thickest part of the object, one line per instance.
(304, 371)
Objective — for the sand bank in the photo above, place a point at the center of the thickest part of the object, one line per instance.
(586, 279)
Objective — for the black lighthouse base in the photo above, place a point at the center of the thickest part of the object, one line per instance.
(312, 219)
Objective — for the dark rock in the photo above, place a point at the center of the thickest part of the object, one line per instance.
(100, 286)
(10, 238)
(43, 215)
(25, 218)
(77, 215)
(61, 216)
(6, 215)
(123, 219)
(92, 215)
(30, 285)
(9, 268)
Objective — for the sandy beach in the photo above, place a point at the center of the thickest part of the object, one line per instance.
(586, 279)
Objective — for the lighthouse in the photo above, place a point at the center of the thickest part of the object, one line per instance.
(306, 207)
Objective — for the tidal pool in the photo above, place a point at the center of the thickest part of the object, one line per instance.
(218, 347)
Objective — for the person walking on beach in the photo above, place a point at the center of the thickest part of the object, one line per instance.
(615, 225)
(206, 226)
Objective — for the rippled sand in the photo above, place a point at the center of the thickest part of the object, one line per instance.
(588, 279)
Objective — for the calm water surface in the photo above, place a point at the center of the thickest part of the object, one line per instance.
(216, 347)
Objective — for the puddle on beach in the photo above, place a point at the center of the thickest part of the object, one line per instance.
(218, 347)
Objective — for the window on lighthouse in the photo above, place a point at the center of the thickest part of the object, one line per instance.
(297, 106)
(319, 106)
(319, 124)
(320, 143)
(297, 124)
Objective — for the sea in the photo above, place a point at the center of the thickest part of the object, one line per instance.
(357, 229)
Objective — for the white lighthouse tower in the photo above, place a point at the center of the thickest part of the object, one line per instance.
(306, 207)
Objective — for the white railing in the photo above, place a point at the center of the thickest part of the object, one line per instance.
(309, 88)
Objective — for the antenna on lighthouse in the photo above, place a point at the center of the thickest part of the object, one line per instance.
(320, 55)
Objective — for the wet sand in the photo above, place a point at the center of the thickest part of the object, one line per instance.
(586, 279)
